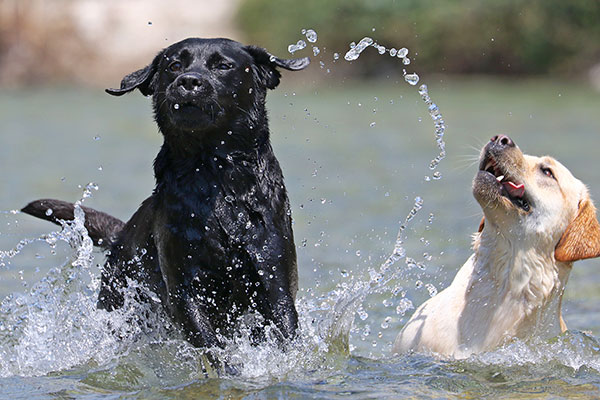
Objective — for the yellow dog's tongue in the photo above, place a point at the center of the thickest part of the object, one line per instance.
(514, 190)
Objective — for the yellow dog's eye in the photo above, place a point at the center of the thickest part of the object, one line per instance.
(548, 172)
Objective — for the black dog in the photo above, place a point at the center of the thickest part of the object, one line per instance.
(214, 240)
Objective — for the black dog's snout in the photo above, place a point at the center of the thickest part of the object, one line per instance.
(502, 141)
(189, 82)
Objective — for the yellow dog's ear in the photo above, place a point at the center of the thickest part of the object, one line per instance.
(582, 238)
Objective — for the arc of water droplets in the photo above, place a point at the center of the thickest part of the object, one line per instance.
(378, 277)
(356, 49)
(399, 251)
(440, 127)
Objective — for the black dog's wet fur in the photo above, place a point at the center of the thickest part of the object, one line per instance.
(214, 240)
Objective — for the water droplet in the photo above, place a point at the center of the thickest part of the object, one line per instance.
(437, 175)
(403, 306)
(336, 56)
(406, 61)
(393, 52)
(247, 69)
(311, 35)
(431, 289)
(355, 51)
(300, 44)
(403, 52)
(372, 124)
(176, 106)
(412, 79)
(230, 133)
(316, 52)
(49, 212)
(229, 199)
(381, 49)
(398, 253)
(363, 315)
(96, 137)
(386, 323)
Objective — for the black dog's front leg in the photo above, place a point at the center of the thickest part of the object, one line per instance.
(280, 309)
(194, 318)
(275, 302)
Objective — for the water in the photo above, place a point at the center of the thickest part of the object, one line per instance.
(370, 177)
(300, 44)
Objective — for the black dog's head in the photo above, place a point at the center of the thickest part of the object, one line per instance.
(202, 85)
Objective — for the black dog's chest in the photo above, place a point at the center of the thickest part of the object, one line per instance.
(213, 214)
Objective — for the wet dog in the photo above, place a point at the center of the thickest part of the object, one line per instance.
(214, 240)
(538, 220)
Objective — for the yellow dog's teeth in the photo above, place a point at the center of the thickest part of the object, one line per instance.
(499, 179)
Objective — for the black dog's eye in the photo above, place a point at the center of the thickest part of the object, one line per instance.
(175, 66)
(548, 172)
(224, 66)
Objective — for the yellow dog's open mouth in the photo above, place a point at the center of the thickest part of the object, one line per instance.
(508, 186)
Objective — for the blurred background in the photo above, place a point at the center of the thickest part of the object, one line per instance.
(90, 41)
(354, 139)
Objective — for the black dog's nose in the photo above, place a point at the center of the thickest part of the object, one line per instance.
(190, 81)
(503, 141)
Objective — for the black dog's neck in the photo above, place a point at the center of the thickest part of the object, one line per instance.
(183, 152)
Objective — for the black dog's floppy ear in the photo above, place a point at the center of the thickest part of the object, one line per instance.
(267, 63)
(140, 79)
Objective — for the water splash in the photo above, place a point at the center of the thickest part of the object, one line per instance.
(573, 349)
(55, 325)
